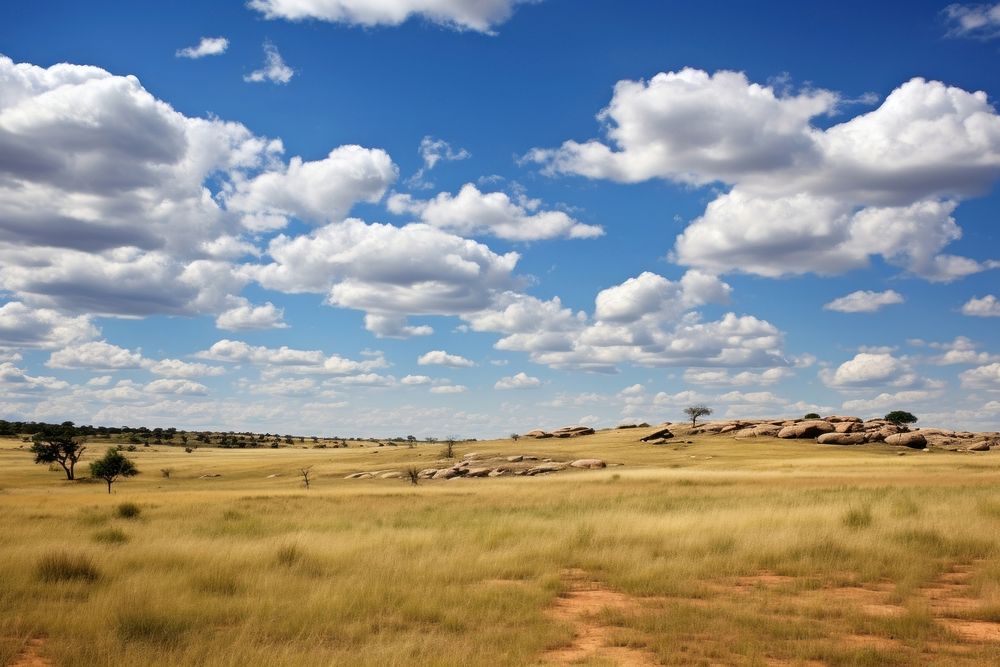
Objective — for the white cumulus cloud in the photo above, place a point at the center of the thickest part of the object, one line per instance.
(442, 358)
(208, 46)
(864, 301)
(987, 306)
(517, 381)
(475, 15)
(275, 70)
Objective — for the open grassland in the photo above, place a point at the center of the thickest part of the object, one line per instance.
(715, 552)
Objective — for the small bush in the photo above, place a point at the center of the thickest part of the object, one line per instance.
(67, 567)
(858, 517)
(166, 472)
(413, 475)
(111, 536)
(811, 415)
(128, 511)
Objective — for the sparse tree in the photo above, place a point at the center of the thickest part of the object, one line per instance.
(55, 444)
(306, 472)
(696, 411)
(449, 447)
(901, 417)
(111, 466)
(515, 437)
(413, 475)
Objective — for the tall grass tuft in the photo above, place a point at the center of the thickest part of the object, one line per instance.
(111, 536)
(857, 518)
(128, 511)
(62, 566)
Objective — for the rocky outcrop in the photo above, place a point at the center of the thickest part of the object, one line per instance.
(659, 434)
(913, 440)
(588, 463)
(842, 439)
(806, 429)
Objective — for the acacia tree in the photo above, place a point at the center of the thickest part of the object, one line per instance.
(111, 466)
(900, 417)
(56, 444)
(696, 411)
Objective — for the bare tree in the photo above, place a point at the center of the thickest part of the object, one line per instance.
(413, 475)
(306, 472)
(696, 411)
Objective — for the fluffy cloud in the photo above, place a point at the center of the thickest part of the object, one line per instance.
(433, 151)
(317, 191)
(97, 355)
(723, 378)
(987, 306)
(644, 321)
(449, 389)
(175, 368)
(292, 360)
(208, 46)
(15, 381)
(178, 387)
(979, 21)
(388, 271)
(413, 380)
(476, 15)
(864, 301)
(472, 212)
(22, 326)
(517, 381)
(960, 351)
(983, 377)
(804, 199)
(442, 358)
(889, 401)
(274, 70)
(868, 369)
(245, 316)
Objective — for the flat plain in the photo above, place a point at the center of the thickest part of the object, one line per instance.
(706, 551)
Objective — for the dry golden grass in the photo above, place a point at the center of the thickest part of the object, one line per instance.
(728, 552)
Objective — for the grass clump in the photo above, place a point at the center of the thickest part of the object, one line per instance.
(128, 511)
(111, 536)
(289, 555)
(67, 567)
(144, 625)
(857, 518)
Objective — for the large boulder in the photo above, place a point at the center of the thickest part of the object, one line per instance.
(983, 446)
(538, 433)
(842, 438)
(589, 463)
(845, 426)
(837, 419)
(446, 473)
(478, 472)
(913, 440)
(572, 431)
(544, 468)
(659, 434)
(806, 429)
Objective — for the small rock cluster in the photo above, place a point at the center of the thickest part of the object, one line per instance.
(480, 465)
(565, 432)
(841, 430)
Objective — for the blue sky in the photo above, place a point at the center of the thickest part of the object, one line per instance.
(479, 217)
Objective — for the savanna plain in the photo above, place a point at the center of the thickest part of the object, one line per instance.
(706, 551)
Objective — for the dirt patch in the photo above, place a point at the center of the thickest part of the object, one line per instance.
(31, 656)
(581, 607)
(973, 631)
